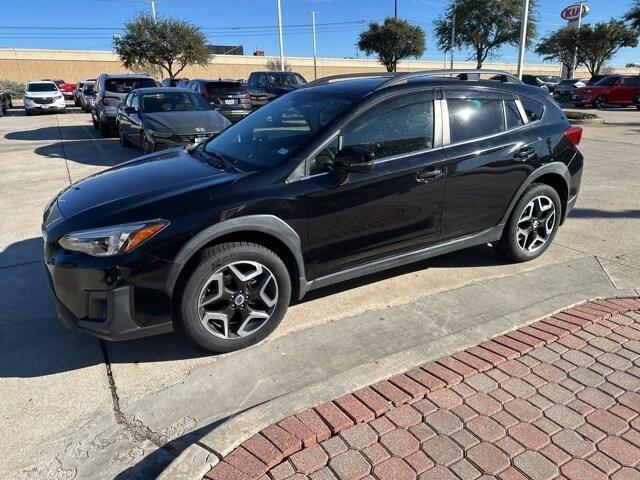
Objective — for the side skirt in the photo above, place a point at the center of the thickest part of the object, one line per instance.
(486, 236)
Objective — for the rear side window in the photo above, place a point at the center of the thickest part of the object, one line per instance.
(397, 126)
(630, 81)
(512, 114)
(532, 108)
(474, 117)
(125, 85)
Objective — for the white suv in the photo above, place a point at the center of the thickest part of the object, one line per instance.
(43, 96)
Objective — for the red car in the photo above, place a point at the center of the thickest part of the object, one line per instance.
(612, 89)
(67, 89)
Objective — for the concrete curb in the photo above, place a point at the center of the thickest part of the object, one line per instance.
(584, 121)
(193, 463)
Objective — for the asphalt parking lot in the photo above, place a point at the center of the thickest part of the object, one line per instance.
(76, 407)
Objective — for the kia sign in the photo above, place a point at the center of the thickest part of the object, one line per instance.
(572, 12)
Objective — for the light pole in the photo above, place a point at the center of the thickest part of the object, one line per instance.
(153, 9)
(280, 34)
(523, 36)
(453, 32)
(575, 54)
(313, 27)
(395, 9)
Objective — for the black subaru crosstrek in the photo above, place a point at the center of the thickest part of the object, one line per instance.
(342, 178)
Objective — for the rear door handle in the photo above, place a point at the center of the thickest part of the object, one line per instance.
(428, 175)
(524, 153)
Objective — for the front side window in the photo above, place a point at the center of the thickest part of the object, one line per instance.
(474, 116)
(135, 102)
(401, 125)
(278, 130)
(606, 81)
(323, 160)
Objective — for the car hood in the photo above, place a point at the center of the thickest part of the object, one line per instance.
(140, 182)
(185, 123)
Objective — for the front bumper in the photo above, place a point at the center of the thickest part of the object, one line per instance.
(582, 98)
(55, 105)
(110, 298)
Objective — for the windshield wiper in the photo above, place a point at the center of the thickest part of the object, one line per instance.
(214, 158)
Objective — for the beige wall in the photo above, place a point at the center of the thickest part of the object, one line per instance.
(23, 65)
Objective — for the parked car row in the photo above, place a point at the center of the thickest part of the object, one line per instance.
(610, 90)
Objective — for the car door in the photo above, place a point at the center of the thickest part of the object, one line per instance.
(394, 208)
(123, 115)
(624, 90)
(490, 151)
(135, 119)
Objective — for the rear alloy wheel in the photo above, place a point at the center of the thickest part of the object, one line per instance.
(600, 101)
(237, 295)
(532, 225)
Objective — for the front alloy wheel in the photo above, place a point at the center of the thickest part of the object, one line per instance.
(238, 299)
(233, 296)
(600, 101)
(536, 224)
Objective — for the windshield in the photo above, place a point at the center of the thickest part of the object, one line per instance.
(166, 102)
(125, 85)
(285, 79)
(549, 78)
(279, 129)
(42, 87)
(606, 81)
(224, 88)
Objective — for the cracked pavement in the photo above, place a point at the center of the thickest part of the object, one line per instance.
(76, 407)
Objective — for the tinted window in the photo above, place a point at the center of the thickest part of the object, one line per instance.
(400, 125)
(253, 79)
(474, 117)
(285, 79)
(279, 129)
(606, 81)
(224, 88)
(630, 81)
(135, 102)
(172, 102)
(124, 85)
(323, 160)
(88, 88)
(42, 87)
(512, 114)
(532, 108)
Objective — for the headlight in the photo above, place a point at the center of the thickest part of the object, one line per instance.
(153, 133)
(27, 97)
(109, 241)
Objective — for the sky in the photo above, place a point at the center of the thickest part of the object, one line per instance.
(90, 24)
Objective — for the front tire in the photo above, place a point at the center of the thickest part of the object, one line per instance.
(147, 145)
(124, 141)
(532, 225)
(236, 294)
(600, 101)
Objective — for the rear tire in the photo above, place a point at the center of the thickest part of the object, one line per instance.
(233, 286)
(532, 225)
(124, 141)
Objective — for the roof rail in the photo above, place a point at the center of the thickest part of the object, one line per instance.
(348, 76)
(404, 77)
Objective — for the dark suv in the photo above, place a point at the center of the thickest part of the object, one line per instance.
(265, 86)
(230, 98)
(343, 178)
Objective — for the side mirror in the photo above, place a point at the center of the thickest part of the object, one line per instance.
(130, 110)
(354, 159)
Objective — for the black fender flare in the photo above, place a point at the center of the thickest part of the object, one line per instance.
(267, 224)
(557, 168)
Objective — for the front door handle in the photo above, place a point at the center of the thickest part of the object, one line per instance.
(428, 175)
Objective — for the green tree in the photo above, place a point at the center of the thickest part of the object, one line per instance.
(392, 41)
(633, 15)
(560, 46)
(597, 44)
(483, 26)
(167, 43)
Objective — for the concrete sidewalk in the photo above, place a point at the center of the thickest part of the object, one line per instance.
(558, 397)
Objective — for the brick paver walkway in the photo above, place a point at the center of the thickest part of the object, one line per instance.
(556, 399)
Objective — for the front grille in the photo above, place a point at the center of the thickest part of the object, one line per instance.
(43, 100)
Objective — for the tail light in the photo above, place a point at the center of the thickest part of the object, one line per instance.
(205, 92)
(110, 101)
(245, 93)
(574, 135)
